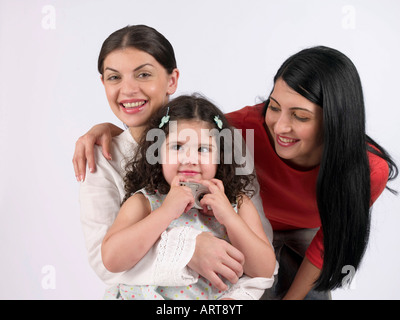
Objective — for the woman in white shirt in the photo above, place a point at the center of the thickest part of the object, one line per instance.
(139, 72)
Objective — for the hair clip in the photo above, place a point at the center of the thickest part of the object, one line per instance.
(164, 119)
(218, 121)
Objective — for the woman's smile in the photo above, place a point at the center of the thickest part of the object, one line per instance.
(133, 106)
(285, 141)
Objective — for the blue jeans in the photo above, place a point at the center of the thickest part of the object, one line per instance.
(290, 247)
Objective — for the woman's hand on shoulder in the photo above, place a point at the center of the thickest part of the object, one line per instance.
(101, 135)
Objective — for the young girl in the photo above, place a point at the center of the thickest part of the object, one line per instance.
(156, 201)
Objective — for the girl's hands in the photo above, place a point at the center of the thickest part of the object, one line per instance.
(221, 208)
(215, 258)
(179, 199)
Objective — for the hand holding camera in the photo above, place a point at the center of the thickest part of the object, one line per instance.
(178, 200)
(198, 192)
(217, 201)
(214, 196)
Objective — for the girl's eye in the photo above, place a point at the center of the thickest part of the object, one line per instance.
(176, 147)
(204, 149)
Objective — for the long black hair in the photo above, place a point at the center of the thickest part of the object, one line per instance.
(329, 79)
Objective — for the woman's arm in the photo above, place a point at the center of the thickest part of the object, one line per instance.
(101, 135)
(303, 281)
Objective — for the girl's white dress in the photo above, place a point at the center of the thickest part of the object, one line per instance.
(201, 289)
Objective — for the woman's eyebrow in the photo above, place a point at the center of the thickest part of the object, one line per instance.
(136, 69)
(293, 108)
(110, 69)
(142, 66)
(274, 100)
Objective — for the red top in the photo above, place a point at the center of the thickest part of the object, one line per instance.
(289, 195)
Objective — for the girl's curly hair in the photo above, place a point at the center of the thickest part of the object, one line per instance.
(142, 173)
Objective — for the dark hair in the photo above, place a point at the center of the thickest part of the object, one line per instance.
(143, 38)
(140, 173)
(329, 79)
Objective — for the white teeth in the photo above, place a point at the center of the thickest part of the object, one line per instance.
(133, 104)
(287, 140)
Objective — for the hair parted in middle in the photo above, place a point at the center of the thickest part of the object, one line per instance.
(143, 38)
(140, 173)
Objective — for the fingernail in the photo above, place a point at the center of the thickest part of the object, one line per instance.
(91, 170)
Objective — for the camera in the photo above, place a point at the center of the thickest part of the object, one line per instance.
(198, 191)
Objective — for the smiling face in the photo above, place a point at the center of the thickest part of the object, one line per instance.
(295, 126)
(190, 153)
(136, 86)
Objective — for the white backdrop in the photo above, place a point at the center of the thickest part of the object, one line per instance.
(229, 50)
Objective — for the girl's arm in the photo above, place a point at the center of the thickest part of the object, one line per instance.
(246, 233)
(137, 228)
(245, 230)
(133, 233)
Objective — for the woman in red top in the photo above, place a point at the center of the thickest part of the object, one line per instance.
(316, 166)
(319, 172)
